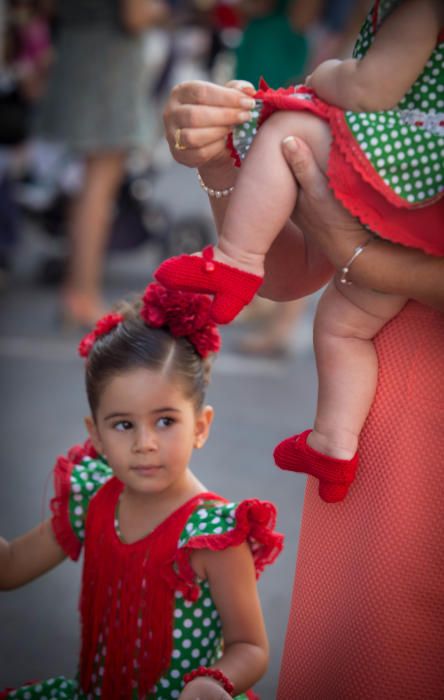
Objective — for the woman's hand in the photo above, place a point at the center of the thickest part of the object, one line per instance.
(384, 266)
(198, 117)
(204, 688)
(322, 218)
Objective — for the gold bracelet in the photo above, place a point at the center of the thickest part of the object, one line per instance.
(346, 269)
(218, 194)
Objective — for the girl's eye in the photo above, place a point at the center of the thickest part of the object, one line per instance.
(123, 425)
(165, 422)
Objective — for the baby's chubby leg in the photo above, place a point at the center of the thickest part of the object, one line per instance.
(266, 191)
(347, 320)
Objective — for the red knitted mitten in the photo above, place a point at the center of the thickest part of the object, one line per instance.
(232, 288)
(335, 475)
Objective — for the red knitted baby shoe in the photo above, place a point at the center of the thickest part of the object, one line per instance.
(335, 475)
(232, 288)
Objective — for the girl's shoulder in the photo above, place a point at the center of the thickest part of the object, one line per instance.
(217, 525)
(78, 476)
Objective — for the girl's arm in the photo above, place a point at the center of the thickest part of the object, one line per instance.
(397, 56)
(28, 556)
(232, 579)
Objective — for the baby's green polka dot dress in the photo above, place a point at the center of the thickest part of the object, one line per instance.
(385, 167)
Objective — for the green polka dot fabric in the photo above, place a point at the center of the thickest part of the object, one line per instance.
(243, 135)
(197, 629)
(86, 479)
(405, 145)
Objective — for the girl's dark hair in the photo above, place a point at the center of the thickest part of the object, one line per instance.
(132, 344)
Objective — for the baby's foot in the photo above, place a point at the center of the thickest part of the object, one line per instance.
(232, 287)
(230, 254)
(341, 445)
(335, 475)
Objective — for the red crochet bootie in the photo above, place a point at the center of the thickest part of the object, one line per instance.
(232, 288)
(335, 475)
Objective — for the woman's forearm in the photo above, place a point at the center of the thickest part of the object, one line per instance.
(295, 266)
(395, 269)
(219, 177)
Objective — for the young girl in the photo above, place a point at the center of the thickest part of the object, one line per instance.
(169, 605)
(380, 140)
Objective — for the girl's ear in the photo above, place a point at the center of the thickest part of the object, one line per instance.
(93, 434)
(203, 425)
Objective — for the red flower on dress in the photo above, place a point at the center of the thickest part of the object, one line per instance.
(185, 314)
(103, 326)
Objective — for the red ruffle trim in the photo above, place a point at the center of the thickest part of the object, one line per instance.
(255, 523)
(59, 505)
(233, 151)
(416, 228)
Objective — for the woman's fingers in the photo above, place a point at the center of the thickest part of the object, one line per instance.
(198, 138)
(318, 213)
(201, 116)
(241, 85)
(199, 92)
(195, 157)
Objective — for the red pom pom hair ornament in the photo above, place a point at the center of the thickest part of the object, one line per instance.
(184, 314)
(102, 327)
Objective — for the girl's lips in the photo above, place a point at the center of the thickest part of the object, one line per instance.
(145, 469)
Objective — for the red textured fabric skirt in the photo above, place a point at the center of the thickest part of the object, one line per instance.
(367, 613)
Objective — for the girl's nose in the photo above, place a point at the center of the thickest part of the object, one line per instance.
(145, 440)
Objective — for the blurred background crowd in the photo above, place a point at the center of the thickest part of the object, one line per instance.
(82, 159)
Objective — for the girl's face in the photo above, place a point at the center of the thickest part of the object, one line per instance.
(147, 428)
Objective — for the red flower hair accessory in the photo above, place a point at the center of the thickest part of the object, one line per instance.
(103, 326)
(185, 314)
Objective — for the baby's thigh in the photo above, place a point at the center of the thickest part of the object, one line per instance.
(352, 311)
(313, 130)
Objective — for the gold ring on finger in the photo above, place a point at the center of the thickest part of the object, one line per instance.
(177, 145)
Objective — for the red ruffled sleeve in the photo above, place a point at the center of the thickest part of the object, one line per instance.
(60, 503)
(217, 527)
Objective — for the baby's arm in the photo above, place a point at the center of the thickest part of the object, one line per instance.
(28, 556)
(232, 579)
(397, 56)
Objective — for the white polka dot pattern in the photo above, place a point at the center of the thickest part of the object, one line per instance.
(405, 145)
(86, 479)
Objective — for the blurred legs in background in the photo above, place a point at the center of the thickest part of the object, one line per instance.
(277, 325)
(89, 226)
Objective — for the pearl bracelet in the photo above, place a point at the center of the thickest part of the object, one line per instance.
(218, 194)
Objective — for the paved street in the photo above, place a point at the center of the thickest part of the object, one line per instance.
(257, 403)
